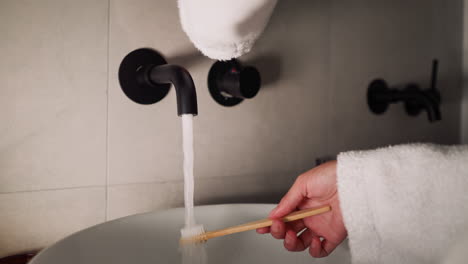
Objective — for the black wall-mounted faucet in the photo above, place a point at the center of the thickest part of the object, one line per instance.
(415, 99)
(145, 78)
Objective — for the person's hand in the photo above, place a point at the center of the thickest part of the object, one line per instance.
(323, 233)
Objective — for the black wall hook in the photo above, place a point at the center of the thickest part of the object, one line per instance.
(415, 99)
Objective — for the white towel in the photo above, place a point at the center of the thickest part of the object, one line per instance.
(403, 204)
(224, 29)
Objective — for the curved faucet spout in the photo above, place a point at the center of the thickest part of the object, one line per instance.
(183, 84)
(145, 78)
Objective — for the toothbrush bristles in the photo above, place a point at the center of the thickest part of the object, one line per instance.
(193, 234)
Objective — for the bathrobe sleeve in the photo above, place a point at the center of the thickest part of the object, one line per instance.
(403, 204)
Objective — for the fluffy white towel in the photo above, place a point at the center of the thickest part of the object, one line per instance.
(224, 29)
(404, 204)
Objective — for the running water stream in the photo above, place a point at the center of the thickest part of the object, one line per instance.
(192, 253)
(187, 136)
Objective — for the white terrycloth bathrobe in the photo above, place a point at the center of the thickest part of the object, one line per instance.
(404, 204)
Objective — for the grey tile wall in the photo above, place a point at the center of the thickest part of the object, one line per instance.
(128, 199)
(53, 75)
(394, 40)
(53, 82)
(74, 151)
(31, 220)
(278, 130)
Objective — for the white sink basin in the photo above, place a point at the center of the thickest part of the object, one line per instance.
(153, 238)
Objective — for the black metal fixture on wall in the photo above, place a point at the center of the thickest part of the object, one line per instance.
(230, 83)
(415, 99)
(145, 77)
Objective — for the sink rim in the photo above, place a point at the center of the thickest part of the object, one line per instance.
(124, 218)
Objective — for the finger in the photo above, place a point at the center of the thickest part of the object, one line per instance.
(294, 243)
(315, 247)
(278, 229)
(296, 226)
(263, 230)
(291, 242)
(291, 200)
(306, 238)
(327, 248)
(320, 249)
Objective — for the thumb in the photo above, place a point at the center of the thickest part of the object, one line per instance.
(291, 200)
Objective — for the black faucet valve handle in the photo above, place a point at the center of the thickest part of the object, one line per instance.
(435, 69)
(415, 99)
(230, 83)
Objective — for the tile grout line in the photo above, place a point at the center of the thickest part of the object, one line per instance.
(53, 189)
(329, 92)
(106, 192)
(130, 183)
(197, 179)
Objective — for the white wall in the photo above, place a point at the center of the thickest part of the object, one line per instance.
(74, 151)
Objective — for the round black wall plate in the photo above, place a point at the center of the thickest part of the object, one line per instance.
(140, 91)
(377, 87)
(217, 72)
(412, 106)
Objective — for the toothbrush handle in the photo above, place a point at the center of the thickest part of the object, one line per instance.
(265, 222)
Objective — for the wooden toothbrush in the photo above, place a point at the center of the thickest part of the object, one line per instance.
(253, 225)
